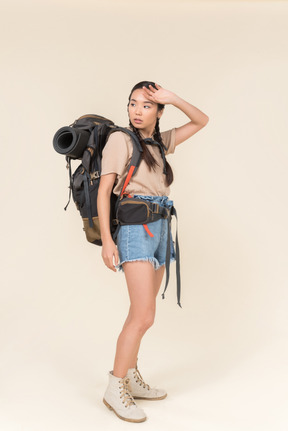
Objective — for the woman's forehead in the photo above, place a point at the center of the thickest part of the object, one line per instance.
(139, 96)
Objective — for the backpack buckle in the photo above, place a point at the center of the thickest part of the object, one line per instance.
(159, 209)
(94, 175)
(155, 208)
(167, 210)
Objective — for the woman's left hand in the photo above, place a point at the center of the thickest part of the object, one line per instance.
(160, 95)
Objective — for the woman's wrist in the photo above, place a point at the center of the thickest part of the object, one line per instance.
(176, 100)
(106, 238)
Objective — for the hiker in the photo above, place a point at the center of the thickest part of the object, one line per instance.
(141, 249)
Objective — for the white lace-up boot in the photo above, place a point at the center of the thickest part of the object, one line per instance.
(118, 398)
(141, 390)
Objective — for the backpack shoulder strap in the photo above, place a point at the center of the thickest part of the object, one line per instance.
(135, 160)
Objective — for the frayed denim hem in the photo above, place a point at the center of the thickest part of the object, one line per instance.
(152, 260)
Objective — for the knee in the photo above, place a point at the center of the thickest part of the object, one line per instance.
(143, 323)
(148, 322)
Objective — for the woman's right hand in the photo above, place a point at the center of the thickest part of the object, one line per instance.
(109, 250)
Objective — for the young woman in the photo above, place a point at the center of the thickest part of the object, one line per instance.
(141, 256)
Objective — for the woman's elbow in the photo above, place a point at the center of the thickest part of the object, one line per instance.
(205, 120)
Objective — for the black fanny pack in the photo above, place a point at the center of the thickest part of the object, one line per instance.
(138, 211)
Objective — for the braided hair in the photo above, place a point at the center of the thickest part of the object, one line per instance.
(158, 138)
(146, 155)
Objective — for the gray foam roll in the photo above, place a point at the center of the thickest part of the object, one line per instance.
(71, 142)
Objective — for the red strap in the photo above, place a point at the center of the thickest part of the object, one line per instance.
(128, 179)
(147, 230)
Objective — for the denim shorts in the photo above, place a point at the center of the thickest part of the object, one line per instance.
(134, 243)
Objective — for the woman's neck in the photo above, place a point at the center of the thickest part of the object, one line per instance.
(146, 133)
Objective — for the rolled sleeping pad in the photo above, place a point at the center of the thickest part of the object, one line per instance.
(71, 142)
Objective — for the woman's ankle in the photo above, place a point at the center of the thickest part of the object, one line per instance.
(119, 373)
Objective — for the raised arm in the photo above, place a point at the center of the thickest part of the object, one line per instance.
(197, 117)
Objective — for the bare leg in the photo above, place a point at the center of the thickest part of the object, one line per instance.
(143, 284)
(159, 277)
(158, 280)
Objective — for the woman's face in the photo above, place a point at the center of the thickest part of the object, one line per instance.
(142, 112)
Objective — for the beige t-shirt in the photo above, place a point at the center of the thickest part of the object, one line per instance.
(116, 157)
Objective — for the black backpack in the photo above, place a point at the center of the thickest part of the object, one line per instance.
(85, 140)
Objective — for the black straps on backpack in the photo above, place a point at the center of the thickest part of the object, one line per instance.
(167, 262)
(68, 166)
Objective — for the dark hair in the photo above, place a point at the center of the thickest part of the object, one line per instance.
(146, 155)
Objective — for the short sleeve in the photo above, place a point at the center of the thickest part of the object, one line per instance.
(168, 138)
(115, 154)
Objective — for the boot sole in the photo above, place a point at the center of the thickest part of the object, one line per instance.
(121, 417)
(151, 399)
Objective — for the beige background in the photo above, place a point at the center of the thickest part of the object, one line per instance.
(222, 358)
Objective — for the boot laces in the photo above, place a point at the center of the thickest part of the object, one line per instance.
(125, 394)
(139, 378)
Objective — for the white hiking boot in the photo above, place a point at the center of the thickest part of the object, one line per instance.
(118, 398)
(141, 390)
